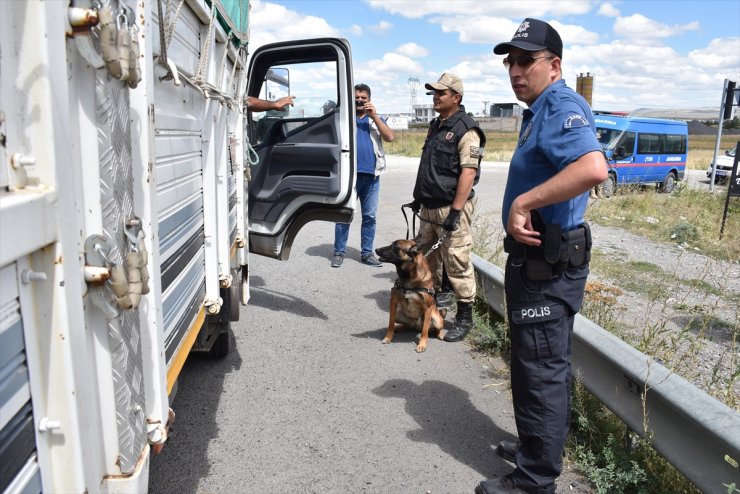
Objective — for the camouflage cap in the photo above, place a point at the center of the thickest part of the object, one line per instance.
(448, 80)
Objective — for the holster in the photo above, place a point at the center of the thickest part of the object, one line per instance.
(558, 251)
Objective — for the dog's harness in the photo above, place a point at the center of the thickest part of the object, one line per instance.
(414, 215)
(420, 289)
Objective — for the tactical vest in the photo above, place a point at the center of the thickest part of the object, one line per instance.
(439, 167)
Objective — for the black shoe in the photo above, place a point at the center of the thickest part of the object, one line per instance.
(463, 322)
(498, 485)
(444, 299)
(505, 485)
(508, 450)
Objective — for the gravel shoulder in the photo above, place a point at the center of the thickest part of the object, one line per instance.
(699, 312)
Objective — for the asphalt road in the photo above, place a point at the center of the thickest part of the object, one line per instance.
(309, 400)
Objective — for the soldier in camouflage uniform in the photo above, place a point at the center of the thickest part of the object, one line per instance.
(443, 195)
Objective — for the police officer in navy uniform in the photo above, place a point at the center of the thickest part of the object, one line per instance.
(556, 163)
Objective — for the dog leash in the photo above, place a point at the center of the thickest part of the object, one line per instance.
(436, 245)
(414, 215)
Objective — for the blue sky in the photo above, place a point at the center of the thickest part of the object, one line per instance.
(658, 54)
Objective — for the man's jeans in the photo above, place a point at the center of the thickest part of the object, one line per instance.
(368, 189)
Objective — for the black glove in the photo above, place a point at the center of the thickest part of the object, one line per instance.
(452, 220)
(415, 206)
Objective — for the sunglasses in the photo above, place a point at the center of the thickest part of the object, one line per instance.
(525, 60)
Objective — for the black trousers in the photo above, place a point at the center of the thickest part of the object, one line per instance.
(541, 315)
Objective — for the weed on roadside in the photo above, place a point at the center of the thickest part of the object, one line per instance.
(688, 217)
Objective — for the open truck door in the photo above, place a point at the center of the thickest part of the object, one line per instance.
(302, 163)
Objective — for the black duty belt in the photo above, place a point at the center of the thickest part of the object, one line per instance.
(558, 251)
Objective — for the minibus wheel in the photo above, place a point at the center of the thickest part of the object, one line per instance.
(609, 186)
(668, 184)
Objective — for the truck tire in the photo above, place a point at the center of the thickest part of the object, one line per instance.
(220, 327)
(234, 294)
(222, 345)
(668, 183)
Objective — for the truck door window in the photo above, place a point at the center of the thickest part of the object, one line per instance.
(314, 87)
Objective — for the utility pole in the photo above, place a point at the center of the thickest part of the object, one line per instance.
(485, 108)
(413, 83)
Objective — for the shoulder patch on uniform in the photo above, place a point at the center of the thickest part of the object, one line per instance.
(574, 120)
(476, 151)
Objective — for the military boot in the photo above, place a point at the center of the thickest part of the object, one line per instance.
(463, 322)
(444, 299)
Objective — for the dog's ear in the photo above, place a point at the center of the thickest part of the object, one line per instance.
(413, 250)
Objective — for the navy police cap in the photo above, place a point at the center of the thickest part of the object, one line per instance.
(533, 35)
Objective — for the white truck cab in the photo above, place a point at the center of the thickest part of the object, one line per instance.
(130, 200)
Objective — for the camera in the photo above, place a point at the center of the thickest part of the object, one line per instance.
(359, 103)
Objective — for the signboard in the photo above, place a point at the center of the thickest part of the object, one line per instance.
(398, 123)
(733, 190)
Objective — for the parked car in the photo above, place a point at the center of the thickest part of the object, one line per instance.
(724, 166)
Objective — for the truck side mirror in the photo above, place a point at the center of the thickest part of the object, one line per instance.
(619, 153)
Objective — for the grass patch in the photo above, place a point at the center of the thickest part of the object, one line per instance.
(500, 146)
(635, 276)
(690, 218)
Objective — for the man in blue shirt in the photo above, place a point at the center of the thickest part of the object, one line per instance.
(372, 130)
(556, 163)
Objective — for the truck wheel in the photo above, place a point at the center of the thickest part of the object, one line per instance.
(234, 294)
(220, 328)
(609, 186)
(668, 184)
(221, 346)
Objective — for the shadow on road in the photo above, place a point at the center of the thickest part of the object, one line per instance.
(448, 419)
(184, 460)
(260, 296)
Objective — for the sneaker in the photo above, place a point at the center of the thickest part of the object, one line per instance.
(337, 260)
(371, 260)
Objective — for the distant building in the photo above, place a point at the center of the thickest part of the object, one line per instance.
(500, 110)
(424, 113)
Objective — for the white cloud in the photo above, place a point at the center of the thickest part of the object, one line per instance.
(277, 23)
(493, 30)
(722, 54)
(412, 50)
(608, 10)
(416, 9)
(640, 29)
(572, 34)
(478, 29)
(381, 27)
(355, 30)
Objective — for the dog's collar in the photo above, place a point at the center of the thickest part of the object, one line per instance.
(419, 289)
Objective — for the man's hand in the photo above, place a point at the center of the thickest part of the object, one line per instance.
(520, 226)
(452, 221)
(284, 102)
(370, 110)
(414, 205)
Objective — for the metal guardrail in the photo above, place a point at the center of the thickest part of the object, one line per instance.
(697, 434)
